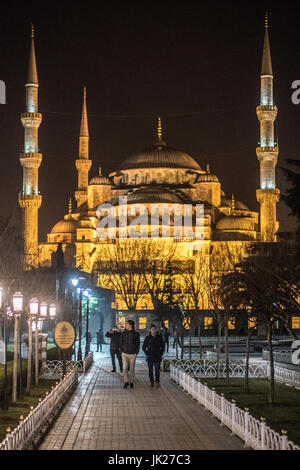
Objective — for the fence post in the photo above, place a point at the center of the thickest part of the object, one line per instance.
(213, 401)
(246, 426)
(263, 433)
(284, 440)
(233, 407)
(205, 395)
(222, 409)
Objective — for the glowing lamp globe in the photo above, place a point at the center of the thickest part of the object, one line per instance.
(34, 307)
(52, 311)
(43, 310)
(18, 302)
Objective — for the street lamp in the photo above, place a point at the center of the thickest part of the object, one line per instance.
(87, 294)
(77, 282)
(40, 317)
(17, 308)
(52, 311)
(33, 313)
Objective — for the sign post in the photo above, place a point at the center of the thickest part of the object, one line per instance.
(64, 338)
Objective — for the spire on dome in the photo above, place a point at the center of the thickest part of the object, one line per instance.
(159, 129)
(233, 205)
(32, 70)
(84, 130)
(159, 140)
(208, 169)
(266, 68)
(70, 208)
(100, 171)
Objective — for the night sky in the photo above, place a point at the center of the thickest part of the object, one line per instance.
(196, 66)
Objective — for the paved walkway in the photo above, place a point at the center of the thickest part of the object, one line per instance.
(101, 415)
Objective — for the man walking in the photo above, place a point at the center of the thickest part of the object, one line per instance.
(115, 336)
(153, 347)
(129, 346)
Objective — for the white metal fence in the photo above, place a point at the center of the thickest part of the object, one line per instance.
(208, 369)
(54, 369)
(24, 434)
(254, 433)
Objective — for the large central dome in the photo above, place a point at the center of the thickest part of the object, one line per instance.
(160, 156)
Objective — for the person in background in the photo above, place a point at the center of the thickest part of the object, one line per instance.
(165, 336)
(153, 347)
(99, 339)
(176, 338)
(89, 338)
(115, 336)
(129, 346)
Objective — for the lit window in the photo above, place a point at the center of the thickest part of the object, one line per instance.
(121, 322)
(142, 323)
(186, 323)
(166, 323)
(208, 322)
(251, 324)
(296, 323)
(231, 324)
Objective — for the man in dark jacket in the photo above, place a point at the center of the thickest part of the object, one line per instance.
(153, 347)
(115, 336)
(129, 346)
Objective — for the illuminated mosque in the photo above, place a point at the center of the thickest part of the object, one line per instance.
(158, 175)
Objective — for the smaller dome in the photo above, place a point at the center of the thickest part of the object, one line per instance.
(207, 177)
(239, 205)
(100, 179)
(236, 223)
(153, 196)
(65, 226)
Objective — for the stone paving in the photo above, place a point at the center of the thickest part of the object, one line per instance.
(101, 415)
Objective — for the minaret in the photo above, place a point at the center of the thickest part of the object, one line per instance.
(267, 152)
(29, 199)
(83, 164)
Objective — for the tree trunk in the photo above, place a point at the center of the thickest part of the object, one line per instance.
(227, 354)
(218, 350)
(200, 340)
(291, 333)
(272, 372)
(182, 343)
(29, 356)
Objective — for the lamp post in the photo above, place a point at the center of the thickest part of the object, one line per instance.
(5, 314)
(33, 313)
(17, 308)
(42, 314)
(75, 283)
(87, 343)
(79, 353)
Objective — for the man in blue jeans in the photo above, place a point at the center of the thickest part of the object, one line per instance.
(153, 347)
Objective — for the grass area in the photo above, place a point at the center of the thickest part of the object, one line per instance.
(11, 417)
(284, 415)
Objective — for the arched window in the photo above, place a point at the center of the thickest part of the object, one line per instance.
(159, 177)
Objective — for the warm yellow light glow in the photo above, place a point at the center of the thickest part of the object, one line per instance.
(231, 324)
(208, 322)
(142, 323)
(296, 323)
(251, 324)
(166, 323)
